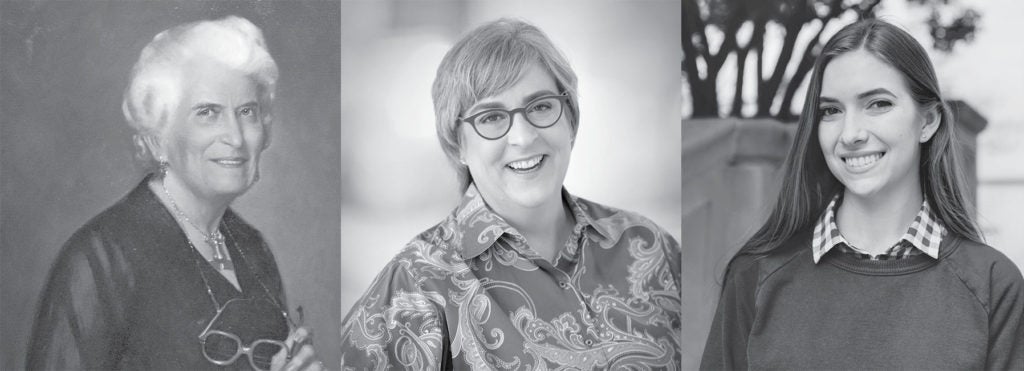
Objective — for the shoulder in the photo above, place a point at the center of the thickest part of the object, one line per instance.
(985, 270)
(108, 233)
(101, 249)
(981, 259)
(426, 259)
(130, 223)
(604, 214)
(618, 223)
(762, 265)
(416, 276)
(981, 256)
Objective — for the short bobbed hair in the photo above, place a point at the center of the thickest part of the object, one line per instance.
(487, 61)
(808, 184)
(155, 87)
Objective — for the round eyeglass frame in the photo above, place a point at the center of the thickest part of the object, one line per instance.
(562, 98)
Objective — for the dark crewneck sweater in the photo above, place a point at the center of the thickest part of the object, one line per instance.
(964, 310)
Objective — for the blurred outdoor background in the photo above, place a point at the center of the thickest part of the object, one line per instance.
(732, 147)
(396, 182)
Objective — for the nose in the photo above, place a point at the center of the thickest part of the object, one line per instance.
(522, 132)
(853, 133)
(232, 134)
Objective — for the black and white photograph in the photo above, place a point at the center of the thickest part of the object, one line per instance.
(170, 193)
(522, 184)
(510, 185)
(851, 181)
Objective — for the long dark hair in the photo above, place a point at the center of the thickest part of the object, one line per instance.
(808, 185)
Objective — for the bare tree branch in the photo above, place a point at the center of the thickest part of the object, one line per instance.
(794, 15)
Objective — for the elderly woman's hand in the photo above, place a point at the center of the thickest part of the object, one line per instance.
(302, 357)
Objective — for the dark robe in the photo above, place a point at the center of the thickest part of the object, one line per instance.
(127, 292)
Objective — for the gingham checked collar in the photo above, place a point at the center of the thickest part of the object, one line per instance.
(925, 233)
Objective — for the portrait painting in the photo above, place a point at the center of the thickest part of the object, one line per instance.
(224, 118)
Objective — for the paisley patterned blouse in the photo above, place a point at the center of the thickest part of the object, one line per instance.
(469, 293)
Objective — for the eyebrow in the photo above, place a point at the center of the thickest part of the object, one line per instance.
(526, 100)
(204, 105)
(863, 95)
(535, 95)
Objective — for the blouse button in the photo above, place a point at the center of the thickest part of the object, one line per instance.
(590, 343)
(564, 285)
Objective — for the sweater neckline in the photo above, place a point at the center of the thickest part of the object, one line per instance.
(892, 267)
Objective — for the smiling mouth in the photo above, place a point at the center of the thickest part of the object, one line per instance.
(860, 162)
(527, 165)
(230, 162)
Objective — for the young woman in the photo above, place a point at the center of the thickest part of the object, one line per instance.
(871, 258)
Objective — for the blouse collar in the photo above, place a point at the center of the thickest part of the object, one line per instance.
(480, 227)
(925, 232)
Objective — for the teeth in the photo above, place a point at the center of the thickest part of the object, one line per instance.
(862, 161)
(229, 162)
(525, 164)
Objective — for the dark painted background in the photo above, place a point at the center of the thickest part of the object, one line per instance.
(67, 155)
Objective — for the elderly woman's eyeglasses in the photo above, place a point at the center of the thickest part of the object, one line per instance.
(219, 341)
(542, 112)
(223, 348)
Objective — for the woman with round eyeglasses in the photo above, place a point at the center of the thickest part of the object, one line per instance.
(522, 274)
(871, 258)
(170, 277)
(542, 112)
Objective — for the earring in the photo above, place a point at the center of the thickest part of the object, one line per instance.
(164, 165)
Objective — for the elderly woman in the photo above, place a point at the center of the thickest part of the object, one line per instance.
(170, 277)
(871, 258)
(521, 274)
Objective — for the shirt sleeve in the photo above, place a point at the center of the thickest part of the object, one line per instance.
(81, 319)
(396, 325)
(726, 347)
(1006, 318)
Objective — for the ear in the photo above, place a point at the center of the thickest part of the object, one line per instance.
(154, 147)
(267, 135)
(932, 120)
(574, 128)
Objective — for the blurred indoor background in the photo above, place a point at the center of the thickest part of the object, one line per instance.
(396, 182)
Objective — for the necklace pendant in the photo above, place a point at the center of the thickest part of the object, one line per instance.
(222, 264)
(220, 258)
(215, 239)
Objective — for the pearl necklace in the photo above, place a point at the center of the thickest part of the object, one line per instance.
(215, 240)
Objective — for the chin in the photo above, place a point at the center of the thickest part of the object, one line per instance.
(230, 187)
(862, 187)
(533, 196)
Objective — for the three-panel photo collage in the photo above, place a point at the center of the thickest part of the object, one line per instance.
(511, 185)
